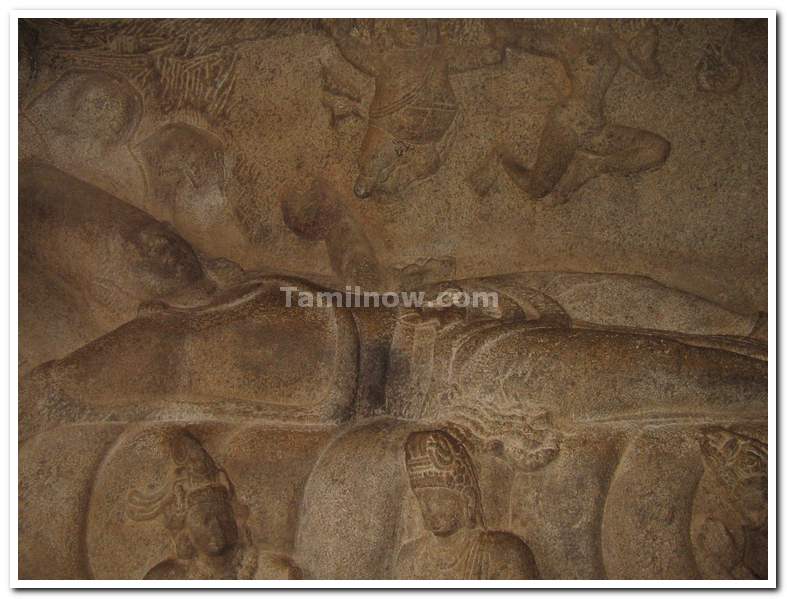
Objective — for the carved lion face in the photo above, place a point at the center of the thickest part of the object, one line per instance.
(740, 464)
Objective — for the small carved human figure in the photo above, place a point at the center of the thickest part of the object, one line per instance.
(456, 545)
(414, 103)
(196, 503)
(730, 524)
(577, 142)
(720, 70)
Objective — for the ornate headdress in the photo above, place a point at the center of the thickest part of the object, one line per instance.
(435, 459)
(193, 478)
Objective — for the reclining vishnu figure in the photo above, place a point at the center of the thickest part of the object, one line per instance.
(245, 354)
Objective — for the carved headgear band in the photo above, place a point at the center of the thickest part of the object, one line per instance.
(435, 459)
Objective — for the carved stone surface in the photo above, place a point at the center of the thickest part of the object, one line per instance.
(563, 371)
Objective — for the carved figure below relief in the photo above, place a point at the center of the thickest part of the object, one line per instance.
(730, 525)
(414, 104)
(457, 544)
(578, 143)
(195, 503)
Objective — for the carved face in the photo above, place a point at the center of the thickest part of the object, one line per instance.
(165, 262)
(410, 33)
(642, 53)
(211, 527)
(444, 510)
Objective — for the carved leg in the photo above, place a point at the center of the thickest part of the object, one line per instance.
(379, 155)
(556, 151)
(627, 150)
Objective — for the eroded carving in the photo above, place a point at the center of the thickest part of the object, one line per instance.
(730, 526)
(578, 143)
(318, 214)
(456, 544)
(179, 418)
(414, 105)
(195, 503)
(720, 69)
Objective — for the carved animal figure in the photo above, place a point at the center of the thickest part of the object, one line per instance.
(730, 524)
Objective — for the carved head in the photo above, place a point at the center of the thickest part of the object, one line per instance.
(411, 33)
(740, 464)
(186, 168)
(501, 424)
(161, 260)
(443, 478)
(98, 106)
(195, 500)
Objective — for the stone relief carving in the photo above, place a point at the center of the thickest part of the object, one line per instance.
(720, 69)
(182, 417)
(195, 503)
(578, 143)
(729, 528)
(414, 105)
(457, 545)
